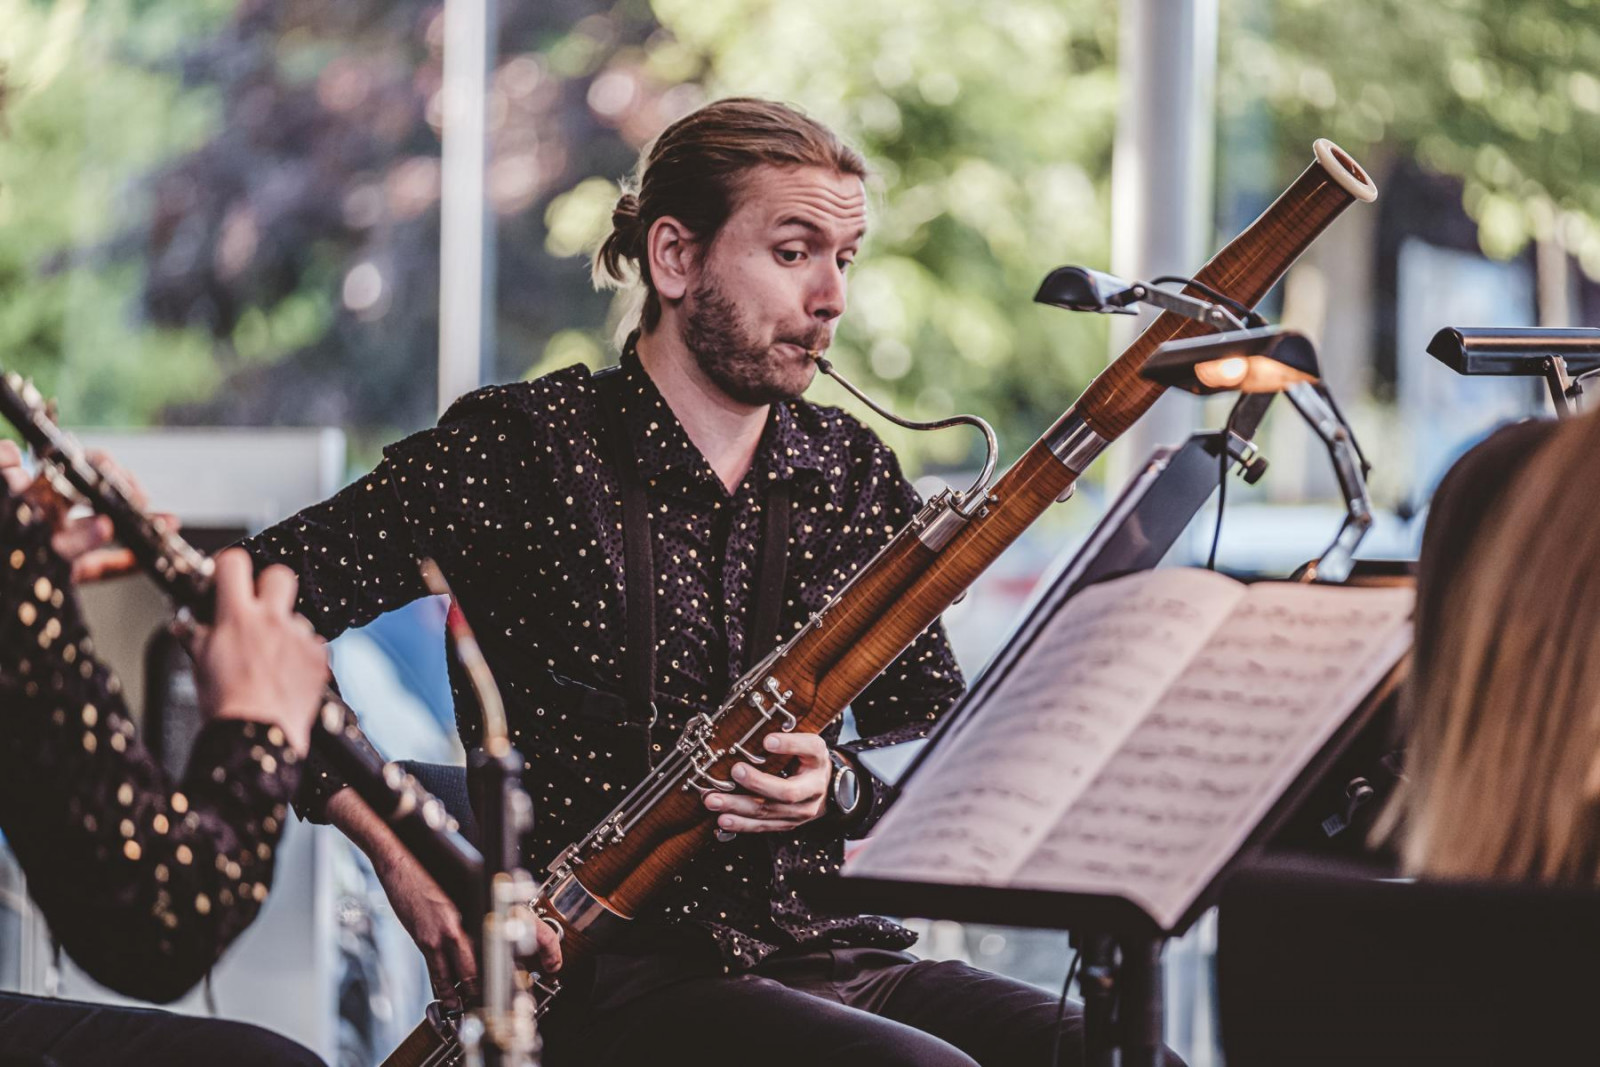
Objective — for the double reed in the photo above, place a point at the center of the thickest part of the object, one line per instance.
(613, 873)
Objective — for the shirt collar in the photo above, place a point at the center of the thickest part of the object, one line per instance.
(663, 446)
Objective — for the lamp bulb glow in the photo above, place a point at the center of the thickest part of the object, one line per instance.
(1222, 373)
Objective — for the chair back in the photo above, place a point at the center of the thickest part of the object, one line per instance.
(448, 782)
(1343, 968)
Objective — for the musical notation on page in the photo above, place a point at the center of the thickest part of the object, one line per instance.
(1047, 729)
(1139, 767)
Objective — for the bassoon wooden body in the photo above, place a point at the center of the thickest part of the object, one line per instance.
(615, 871)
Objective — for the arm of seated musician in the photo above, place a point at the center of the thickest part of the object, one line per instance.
(353, 556)
(423, 908)
(145, 881)
(355, 559)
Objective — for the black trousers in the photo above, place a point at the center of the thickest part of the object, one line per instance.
(38, 1032)
(832, 1008)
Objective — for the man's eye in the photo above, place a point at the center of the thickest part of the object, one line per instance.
(790, 255)
(846, 264)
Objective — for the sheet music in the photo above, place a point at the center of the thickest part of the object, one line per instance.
(1206, 765)
(987, 799)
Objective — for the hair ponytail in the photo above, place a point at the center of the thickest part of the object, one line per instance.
(624, 242)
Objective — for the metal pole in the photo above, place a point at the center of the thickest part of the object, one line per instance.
(466, 236)
(1161, 175)
(1097, 979)
(1141, 1011)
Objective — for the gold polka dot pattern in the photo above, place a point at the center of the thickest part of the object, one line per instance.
(108, 841)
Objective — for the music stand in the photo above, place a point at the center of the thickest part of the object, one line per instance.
(1121, 945)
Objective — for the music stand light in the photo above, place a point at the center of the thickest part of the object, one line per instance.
(1083, 289)
(1274, 360)
(1563, 357)
(1264, 360)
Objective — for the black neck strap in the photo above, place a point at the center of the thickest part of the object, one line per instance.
(762, 635)
(638, 574)
(639, 586)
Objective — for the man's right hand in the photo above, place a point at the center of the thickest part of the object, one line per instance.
(433, 923)
(422, 907)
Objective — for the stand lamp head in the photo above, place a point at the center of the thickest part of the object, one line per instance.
(1265, 360)
(1082, 289)
(1273, 360)
(1563, 357)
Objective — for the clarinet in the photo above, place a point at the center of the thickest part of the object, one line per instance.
(186, 575)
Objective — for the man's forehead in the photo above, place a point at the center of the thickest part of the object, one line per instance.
(807, 196)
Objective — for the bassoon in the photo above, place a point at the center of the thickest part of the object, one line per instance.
(613, 873)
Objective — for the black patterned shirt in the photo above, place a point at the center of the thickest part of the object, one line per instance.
(515, 495)
(143, 880)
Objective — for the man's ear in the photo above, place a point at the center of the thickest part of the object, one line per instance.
(672, 251)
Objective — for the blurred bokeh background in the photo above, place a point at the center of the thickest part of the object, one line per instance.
(222, 214)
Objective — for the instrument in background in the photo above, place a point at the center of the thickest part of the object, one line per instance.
(614, 872)
(185, 574)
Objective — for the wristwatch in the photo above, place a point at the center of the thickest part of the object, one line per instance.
(844, 789)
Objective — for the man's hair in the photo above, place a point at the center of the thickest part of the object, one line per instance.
(693, 172)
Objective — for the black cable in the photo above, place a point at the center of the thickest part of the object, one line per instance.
(1251, 319)
(1223, 463)
(1061, 1009)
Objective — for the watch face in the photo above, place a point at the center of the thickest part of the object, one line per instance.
(846, 789)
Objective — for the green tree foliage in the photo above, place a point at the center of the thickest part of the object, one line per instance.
(85, 116)
(221, 212)
(990, 138)
(1504, 96)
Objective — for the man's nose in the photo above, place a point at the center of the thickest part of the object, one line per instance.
(827, 295)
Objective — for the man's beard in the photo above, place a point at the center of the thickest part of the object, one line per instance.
(735, 361)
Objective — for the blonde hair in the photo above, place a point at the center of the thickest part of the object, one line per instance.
(1504, 697)
(692, 172)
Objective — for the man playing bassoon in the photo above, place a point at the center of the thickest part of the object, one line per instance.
(758, 508)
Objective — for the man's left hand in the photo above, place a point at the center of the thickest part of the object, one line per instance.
(768, 803)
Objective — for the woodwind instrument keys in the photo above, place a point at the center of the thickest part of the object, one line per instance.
(696, 744)
(780, 697)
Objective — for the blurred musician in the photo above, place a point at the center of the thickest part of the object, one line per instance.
(144, 881)
(1503, 750)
